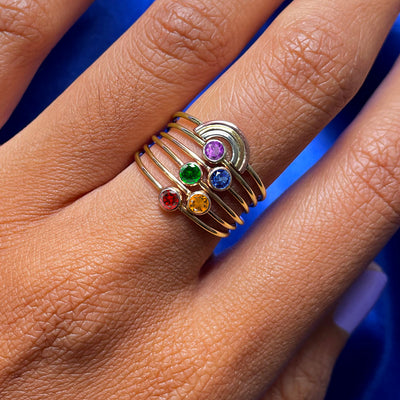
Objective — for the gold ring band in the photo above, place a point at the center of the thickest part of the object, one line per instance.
(225, 161)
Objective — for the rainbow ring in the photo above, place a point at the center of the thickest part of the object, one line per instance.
(204, 180)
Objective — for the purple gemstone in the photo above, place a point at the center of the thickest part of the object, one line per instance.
(214, 150)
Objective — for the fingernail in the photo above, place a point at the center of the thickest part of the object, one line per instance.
(358, 301)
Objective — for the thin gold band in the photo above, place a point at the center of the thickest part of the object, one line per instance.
(232, 169)
(158, 186)
(183, 187)
(213, 195)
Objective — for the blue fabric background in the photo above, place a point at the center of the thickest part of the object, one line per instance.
(369, 368)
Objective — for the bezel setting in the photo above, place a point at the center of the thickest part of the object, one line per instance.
(205, 196)
(211, 184)
(173, 191)
(216, 160)
(190, 182)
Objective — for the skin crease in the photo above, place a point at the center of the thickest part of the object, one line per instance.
(161, 51)
(28, 31)
(96, 304)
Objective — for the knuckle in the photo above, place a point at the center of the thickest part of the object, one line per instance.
(308, 381)
(67, 319)
(198, 365)
(80, 311)
(313, 61)
(303, 382)
(21, 23)
(189, 358)
(376, 165)
(62, 323)
(190, 32)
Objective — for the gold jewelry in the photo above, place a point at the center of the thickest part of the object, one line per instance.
(202, 180)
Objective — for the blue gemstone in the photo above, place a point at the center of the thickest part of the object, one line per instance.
(220, 179)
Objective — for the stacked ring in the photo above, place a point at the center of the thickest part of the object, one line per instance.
(201, 181)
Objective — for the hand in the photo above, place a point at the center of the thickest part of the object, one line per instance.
(104, 296)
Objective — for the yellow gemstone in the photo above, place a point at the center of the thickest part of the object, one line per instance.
(198, 203)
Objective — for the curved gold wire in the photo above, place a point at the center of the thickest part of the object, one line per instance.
(242, 181)
(147, 173)
(185, 149)
(203, 225)
(172, 178)
(187, 132)
(167, 173)
(191, 118)
(204, 186)
(172, 154)
(258, 181)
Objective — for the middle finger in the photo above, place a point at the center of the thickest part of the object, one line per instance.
(304, 68)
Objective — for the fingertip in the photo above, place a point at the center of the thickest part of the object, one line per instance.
(360, 298)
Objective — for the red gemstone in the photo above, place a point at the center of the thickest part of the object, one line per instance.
(169, 199)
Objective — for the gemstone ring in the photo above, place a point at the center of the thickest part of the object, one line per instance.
(203, 181)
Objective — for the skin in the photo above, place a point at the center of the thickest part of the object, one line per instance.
(97, 301)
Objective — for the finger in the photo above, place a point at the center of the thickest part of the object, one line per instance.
(28, 31)
(132, 202)
(305, 68)
(315, 240)
(90, 133)
(308, 373)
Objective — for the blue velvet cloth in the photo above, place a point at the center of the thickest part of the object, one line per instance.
(370, 365)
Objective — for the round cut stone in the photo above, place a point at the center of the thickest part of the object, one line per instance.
(214, 150)
(190, 173)
(220, 178)
(198, 203)
(169, 199)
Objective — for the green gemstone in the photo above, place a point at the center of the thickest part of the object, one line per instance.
(190, 173)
